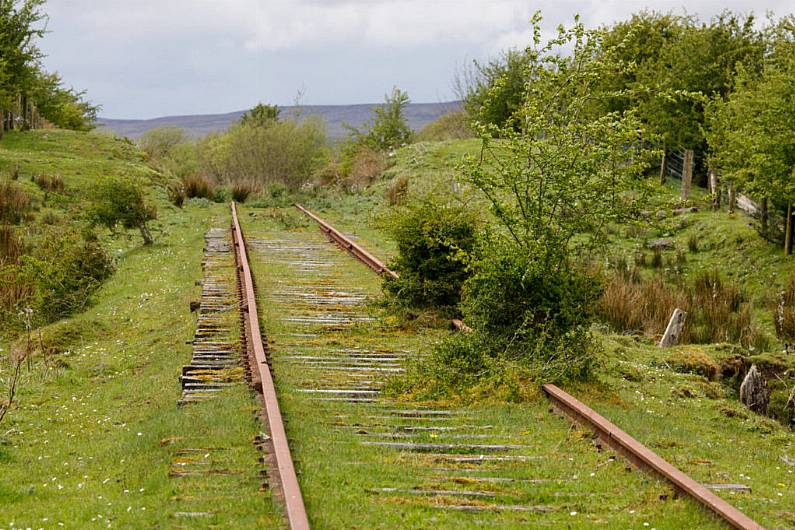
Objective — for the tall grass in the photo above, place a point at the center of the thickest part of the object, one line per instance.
(15, 203)
(785, 312)
(717, 311)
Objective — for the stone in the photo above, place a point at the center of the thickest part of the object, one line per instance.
(753, 391)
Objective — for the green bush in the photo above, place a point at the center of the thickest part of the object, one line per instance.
(121, 202)
(535, 315)
(435, 242)
(64, 270)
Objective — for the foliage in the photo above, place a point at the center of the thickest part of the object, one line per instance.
(454, 125)
(286, 151)
(122, 202)
(389, 128)
(753, 131)
(25, 88)
(553, 182)
(494, 91)
(65, 268)
(160, 143)
(262, 115)
(435, 240)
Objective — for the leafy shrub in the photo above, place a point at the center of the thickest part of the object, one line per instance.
(65, 268)
(451, 126)
(286, 151)
(15, 203)
(534, 315)
(221, 195)
(435, 241)
(389, 128)
(121, 202)
(197, 186)
(160, 143)
(49, 183)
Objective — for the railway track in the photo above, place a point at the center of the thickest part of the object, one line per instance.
(387, 463)
(636, 453)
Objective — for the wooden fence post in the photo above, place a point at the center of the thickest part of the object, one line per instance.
(713, 188)
(788, 232)
(687, 173)
(732, 197)
(674, 329)
(663, 169)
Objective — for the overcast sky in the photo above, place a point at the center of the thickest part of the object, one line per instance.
(148, 58)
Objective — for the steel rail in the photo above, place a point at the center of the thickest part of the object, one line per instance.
(646, 459)
(355, 250)
(639, 455)
(263, 380)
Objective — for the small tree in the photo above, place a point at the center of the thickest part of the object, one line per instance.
(121, 202)
(555, 181)
(752, 133)
(389, 129)
(262, 115)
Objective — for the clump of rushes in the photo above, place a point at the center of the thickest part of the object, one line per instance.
(15, 203)
(49, 183)
(197, 186)
(241, 190)
(717, 311)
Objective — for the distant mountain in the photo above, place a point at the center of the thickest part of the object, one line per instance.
(417, 114)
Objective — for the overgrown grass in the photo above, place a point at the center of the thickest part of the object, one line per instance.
(95, 430)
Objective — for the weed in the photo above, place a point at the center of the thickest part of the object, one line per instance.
(657, 259)
(716, 311)
(364, 167)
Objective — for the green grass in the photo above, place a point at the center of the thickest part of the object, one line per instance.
(96, 430)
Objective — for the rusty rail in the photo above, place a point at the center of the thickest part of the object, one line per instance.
(355, 250)
(621, 442)
(646, 459)
(263, 381)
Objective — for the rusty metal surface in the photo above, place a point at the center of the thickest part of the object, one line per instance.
(293, 499)
(644, 458)
(355, 250)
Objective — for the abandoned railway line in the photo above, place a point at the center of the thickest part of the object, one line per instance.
(332, 439)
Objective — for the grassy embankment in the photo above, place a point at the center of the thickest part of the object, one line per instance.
(696, 422)
(95, 431)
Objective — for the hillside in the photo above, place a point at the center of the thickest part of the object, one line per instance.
(418, 116)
